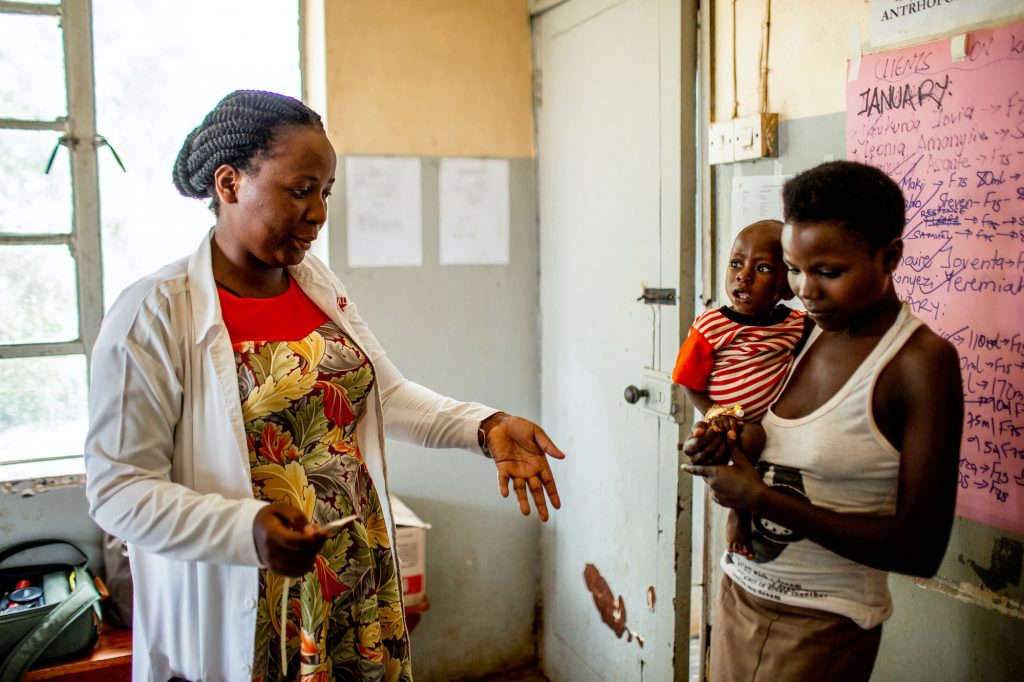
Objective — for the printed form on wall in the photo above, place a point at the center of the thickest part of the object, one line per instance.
(754, 198)
(952, 135)
(385, 214)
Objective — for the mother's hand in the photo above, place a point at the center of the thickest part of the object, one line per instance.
(736, 485)
(520, 450)
(706, 445)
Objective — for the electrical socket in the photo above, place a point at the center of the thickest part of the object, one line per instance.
(721, 146)
(742, 139)
(755, 137)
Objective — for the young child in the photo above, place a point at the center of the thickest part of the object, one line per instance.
(734, 359)
(859, 472)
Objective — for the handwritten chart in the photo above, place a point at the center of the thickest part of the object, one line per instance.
(951, 133)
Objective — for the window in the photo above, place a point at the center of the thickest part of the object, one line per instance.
(93, 83)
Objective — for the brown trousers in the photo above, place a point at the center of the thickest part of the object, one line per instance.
(756, 640)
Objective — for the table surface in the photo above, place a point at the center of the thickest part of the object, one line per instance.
(111, 657)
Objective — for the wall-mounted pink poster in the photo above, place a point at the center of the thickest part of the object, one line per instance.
(951, 133)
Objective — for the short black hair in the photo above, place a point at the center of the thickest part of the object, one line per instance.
(857, 197)
(239, 131)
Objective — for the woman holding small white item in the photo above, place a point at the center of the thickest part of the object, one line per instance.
(238, 412)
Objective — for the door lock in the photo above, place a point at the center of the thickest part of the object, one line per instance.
(632, 394)
(660, 395)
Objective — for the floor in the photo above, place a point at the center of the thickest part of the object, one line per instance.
(521, 675)
(536, 675)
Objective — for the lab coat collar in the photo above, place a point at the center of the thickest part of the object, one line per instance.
(206, 315)
(207, 318)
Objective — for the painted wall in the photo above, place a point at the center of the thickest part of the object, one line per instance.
(61, 513)
(445, 77)
(470, 332)
(966, 622)
(448, 78)
(807, 45)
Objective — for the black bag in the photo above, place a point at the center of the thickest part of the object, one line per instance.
(56, 616)
(117, 607)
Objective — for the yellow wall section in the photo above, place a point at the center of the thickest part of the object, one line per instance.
(429, 78)
(808, 48)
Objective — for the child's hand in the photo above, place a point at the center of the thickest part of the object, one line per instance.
(727, 420)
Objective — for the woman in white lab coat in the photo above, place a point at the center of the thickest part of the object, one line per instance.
(239, 405)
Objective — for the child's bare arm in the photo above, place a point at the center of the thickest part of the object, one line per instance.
(698, 399)
(925, 379)
(751, 440)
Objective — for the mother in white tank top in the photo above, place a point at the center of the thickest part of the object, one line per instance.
(858, 476)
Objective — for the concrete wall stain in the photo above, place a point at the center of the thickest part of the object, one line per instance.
(1004, 564)
(977, 595)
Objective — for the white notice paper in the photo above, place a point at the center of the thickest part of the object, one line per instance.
(385, 222)
(474, 212)
(893, 22)
(754, 198)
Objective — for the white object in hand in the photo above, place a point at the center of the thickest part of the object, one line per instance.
(339, 523)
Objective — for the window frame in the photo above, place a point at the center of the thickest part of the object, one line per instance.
(79, 137)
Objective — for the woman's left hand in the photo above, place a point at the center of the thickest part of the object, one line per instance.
(705, 445)
(520, 450)
(734, 485)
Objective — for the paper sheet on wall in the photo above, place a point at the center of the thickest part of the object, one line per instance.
(754, 198)
(901, 21)
(385, 222)
(474, 211)
(952, 135)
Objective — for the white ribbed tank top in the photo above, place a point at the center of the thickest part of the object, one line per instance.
(838, 459)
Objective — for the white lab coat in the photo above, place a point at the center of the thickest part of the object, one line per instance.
(168, 470)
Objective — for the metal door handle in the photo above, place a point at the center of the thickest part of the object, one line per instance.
(632, 394)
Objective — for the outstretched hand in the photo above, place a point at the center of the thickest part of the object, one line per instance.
(520, 450)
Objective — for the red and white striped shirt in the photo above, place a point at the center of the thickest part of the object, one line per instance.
(740, 359)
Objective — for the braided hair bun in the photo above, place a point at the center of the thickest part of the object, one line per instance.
(238, 132)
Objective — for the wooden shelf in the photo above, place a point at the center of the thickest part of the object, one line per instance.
(110, 661)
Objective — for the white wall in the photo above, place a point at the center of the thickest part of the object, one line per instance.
(61, 513)
(470, 332)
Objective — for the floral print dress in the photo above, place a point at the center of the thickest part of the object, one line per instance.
(304, 385)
